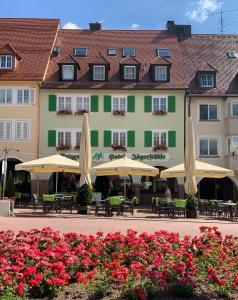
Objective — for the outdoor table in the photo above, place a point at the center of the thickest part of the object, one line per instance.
(231, 206)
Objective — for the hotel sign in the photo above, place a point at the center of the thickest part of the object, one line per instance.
(98, 156)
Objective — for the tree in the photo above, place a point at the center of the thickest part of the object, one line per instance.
(10, 187)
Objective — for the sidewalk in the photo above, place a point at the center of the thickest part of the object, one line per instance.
(91, 224)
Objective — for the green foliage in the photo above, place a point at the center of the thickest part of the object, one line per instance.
(192, 204)
(10, 187)
(84, 195)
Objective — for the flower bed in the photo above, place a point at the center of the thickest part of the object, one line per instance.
(40, 263)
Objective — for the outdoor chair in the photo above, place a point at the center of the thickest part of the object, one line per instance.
(58, 203)
(154, 203)
(99, 204)
(180, 207)
(48, 203)
(35, 202)
(128, 205)
(115, 204)
(163, 207)
(215, 210)
(203, 206)
(18, 199)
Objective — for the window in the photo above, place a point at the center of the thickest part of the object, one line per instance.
(5, 62)
(128, 52)
(82, 103)
(161, 73)
(111, 52)
(160, 138)
(119, 138)
(64, 138)
(207, 80)
(99, 73)
(22, 130)
(208, 112)
(78, 139)
(64, 103)
(231, 54)
(5, 96)
(163, 52)
(23, 96)
(159, 104)
(5, 130)
(119, 104)
(83, 52)
(130, 72)
(208, 147)
(67, 72)
(233, 145)
(234, 109)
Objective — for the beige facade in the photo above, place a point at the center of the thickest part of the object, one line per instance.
(22, 132)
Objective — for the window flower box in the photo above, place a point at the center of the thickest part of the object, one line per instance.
(159, 112)
(77, 147)
(64, 112)
(159, 148)
(119, 113)
(119, 147)
(64, 147)
(81, 112)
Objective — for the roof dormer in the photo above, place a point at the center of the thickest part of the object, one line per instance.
(207, 76)
(8, 57)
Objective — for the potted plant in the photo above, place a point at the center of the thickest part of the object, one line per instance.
(84, 197)
(192, 207)
(10, 191)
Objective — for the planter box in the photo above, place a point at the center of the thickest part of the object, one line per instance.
(84, 210)
(5, 208)
(192, 214)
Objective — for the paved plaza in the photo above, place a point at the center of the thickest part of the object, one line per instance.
(142, 221)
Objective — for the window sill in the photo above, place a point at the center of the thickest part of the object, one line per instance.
(209, 121)
(209, 156)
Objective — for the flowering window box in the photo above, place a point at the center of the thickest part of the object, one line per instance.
(64, 112)
(119, 113)
(64, 147)
(119, 147)
(160, 148)
(81, 112)
(159, 112)
(77, 147)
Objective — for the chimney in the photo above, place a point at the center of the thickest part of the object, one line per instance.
(178, 30)
(95, 26)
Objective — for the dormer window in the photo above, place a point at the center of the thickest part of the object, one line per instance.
(130, 72)
(207, 80)
(99, 73)
(6, 62)
(67, 72)
(128, 52)
(161, 73)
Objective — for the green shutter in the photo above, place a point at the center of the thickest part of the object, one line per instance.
(131, 103)
(107, 138)
(51, 138)
(148, 104)
(148, 138)
(131, 138)
(52, 103)
(94, 138)
(94, 103)
(107, 103)
(172, 138)
(171, 104)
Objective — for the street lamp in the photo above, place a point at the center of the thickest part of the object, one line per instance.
(4, 168)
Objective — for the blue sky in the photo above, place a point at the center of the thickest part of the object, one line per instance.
(129, 14)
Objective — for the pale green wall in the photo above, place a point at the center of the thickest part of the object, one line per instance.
(138, 121)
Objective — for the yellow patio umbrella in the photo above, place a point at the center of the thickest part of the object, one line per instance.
(202, 169)
(50, 164)
(85, 159)
(190, 157)
(125, 166)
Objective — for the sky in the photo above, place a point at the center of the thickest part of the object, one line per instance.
(203, 15)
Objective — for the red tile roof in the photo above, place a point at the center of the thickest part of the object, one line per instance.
(145, 42)
(31, 40)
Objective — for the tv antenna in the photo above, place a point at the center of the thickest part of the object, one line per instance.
(221, 20)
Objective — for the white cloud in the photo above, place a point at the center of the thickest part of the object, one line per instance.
(134, 26)
(202, 8)
(71, 25)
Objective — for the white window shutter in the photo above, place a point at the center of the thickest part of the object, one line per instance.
(25, 130)
(1, 130)
(32, 96)
(8, 130)
(18, 130)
